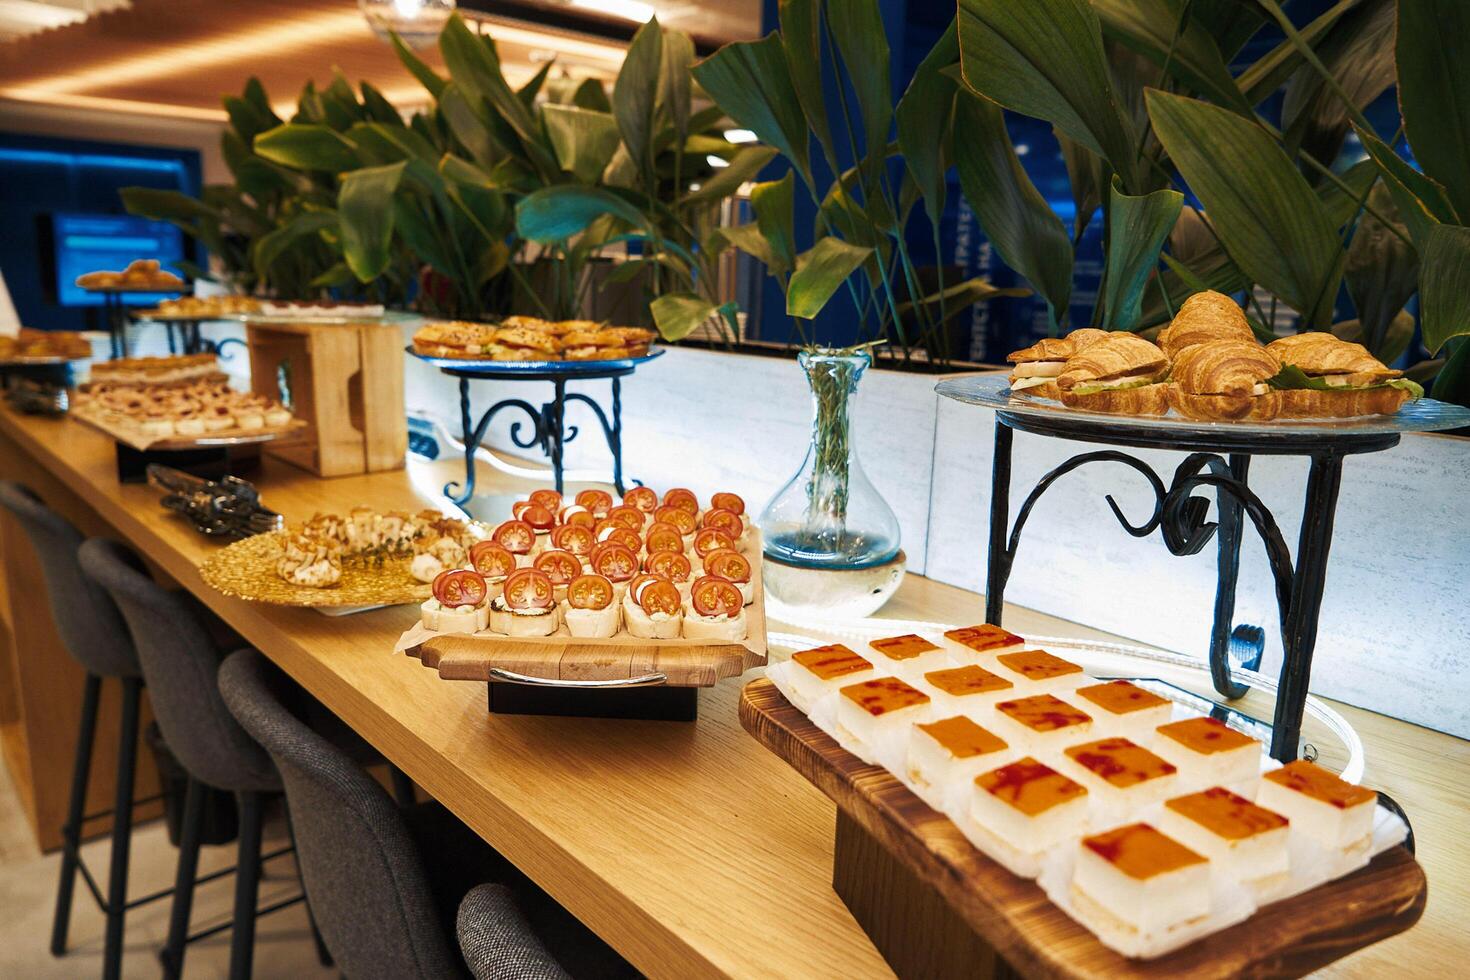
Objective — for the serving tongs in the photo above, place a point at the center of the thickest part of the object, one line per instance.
(226, 508)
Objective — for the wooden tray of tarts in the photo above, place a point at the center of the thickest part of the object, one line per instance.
(944, 907)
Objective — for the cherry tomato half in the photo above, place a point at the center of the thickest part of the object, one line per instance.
(630, 517)
(710, 540)
(616, 562)
(549, 499)
(515, 536)
(599, 502)
(663, 536)
(681, 519)
(713, 595)
(672, 565)
(728, 564)
(660, 596)
(560, 566)
(491, 559)
(643, 498)
(460, 587)
(728, 501)
(576, 514)
(529, 588)
(725, 520)
(540, 518)
(682, 499)
(576, 538)
(590, 592)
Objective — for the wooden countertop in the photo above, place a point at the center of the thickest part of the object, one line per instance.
(689, 848)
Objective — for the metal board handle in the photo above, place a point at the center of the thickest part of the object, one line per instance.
(511, 677)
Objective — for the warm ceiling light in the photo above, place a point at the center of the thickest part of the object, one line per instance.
(633, 10)
(418, 22)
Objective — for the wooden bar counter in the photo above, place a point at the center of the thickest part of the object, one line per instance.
(690, 848)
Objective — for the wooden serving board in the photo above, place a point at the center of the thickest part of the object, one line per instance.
(910, 853)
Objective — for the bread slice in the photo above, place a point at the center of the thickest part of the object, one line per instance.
(1146, 400)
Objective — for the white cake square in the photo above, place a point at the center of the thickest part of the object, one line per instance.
(1137, 880)
(1041, 725)
(876, 715)
(909, 656)
(1332, 811)
(1122, 708)
(1020, 811)
(970, 689)
(981, 644)
(1245, 842)
(1209, 752)
(1121, 775)
(1037, 672)
(822, 671)
(950, 752)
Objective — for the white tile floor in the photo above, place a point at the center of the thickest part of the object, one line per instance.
(283, 945)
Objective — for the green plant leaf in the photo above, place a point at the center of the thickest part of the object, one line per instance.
(486, 146)
(1421, 201)
(591, 95)
(1452, 384)
(307, 147)
(554, 214)
(750, 240)
(801, 41)
(378, 108)
(861, 41)
(1342, 203)
(1394, 339)
(527, 93)
(1358, 51)
(677, 315)
(925, 117)
(1271, 70)
(161, 205)
(469, 188)
(744, 165)
(1137, 227)
(426, 76)
(1230, 22)
(1382, 273)
(475, 68)
(1086, 173)
(584, 140)
(365, 211)
(959, 297)
(1044, 58)
(270, 247)
(1273, 225)
(392, 143)
(820, 272)
(246, 120)
(635, 96)
(1021, 227)
(751, 81)
(1147, 27)
(1444, 285)
(1434, 91)
(675, 84)
(338, 275)
(775, 214)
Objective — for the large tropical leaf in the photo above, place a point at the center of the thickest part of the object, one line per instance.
(1453, 382)
(480, 203)
(1342, 203)
(801, 40)
(584, 140)
(635, 96)
(554, 214)
(1271, 71)
(307, 147)
(1021, 227)
(365, 212)
(1273, 225)
(1152, 28)
(1444, 285)
(1044, 58)
(426, 76)
(1422, 201)
(1434, 91)
(1087, 177)
(1358, 51)
(161, 205)
(1137, 227)
(775, 214)
(857, 32)
(751, 81)
(676, 87)
(479, 136)
(389, 143)
(1230, 22)
(750, 240)
(677, 315)
(820, 272)
(1381, 273)
(925, 114)
(744, 165)
(475, 68)
(270, 247)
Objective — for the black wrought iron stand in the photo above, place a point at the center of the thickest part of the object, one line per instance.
(1220, 461)
(115, 314)
(548, 429)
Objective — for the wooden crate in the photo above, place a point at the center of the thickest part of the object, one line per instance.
(346, 383)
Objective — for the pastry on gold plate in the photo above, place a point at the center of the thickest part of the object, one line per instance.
(1202, 318)
(1036, 367)
(1225, 380)
(1326, 377)
(1120, 374)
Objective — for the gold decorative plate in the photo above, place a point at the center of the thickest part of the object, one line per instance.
(247, 570)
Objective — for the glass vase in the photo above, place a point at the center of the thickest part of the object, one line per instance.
(829, 516)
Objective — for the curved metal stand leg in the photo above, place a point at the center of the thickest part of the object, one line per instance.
(554, 416)
(474, 436)
(1227, 564)
(998, 567)
(612, 430)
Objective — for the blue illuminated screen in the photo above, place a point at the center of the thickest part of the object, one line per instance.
(92, 242)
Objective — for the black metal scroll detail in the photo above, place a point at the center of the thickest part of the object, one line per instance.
(474, 436)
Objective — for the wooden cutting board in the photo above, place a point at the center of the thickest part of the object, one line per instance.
(1012, 915)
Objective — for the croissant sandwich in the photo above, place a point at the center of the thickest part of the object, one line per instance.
(1120, 374)
(1036, 367)
(453, 339)
(1205, 317)
(1225, 380)
(1325, 377)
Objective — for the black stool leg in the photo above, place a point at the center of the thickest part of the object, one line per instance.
(122, 829)
(247, 887)
(183, 900)
(71, 831)
(402, 787)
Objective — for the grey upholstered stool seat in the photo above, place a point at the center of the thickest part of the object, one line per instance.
(386, 884)
(93, 632)
(489, 926)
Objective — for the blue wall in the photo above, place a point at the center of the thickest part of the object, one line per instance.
(42, 176)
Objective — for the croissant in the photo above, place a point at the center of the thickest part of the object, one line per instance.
(1316, 352)
(1303, 403)
(1146, 400)
(1202, 318)
(1117, 356)
(1223, 367)
(1045, 349)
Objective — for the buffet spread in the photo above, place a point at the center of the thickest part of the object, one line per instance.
(29, 346)
(525, 338)
(1146, 822)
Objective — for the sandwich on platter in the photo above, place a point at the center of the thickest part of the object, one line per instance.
(1204, 317)
(1225, 380)
(1036, 367)
(1122, 373)
(1325, 377)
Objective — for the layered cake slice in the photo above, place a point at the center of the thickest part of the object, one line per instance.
(950, 753)
(909, 656)
(816, 673)
(981, 644)
(1335, 812)
(1135, 880)
(875, 716)
(1020, 811)
(1121, 775)
(1042, 724)
(969, 689)
(1209, 752)
(1125, 709)
(1245, 841)
(1036, 672)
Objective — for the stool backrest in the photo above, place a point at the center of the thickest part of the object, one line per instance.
(89, 624)
(180, 662)
(364, 877)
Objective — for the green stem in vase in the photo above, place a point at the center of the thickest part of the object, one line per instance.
(833, 375)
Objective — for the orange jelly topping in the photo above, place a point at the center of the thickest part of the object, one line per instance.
(831, 661)
(960, 681)
(1312, 780)
(1225, 814)
(1038, 665)
(962, 737)
(1031, 787)
(1205, 735)
(1044, 713)
(1141, 852)
(905, 647)
(1120, 762)
(883, 695)
(983, 638)
(1121, 697)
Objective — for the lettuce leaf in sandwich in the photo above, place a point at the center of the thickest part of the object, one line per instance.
(1291, 377)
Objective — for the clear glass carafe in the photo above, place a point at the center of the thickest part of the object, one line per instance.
(829, 515)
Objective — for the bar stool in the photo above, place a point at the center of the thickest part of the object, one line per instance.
(386, 883)
(94, 634)
(180, 660)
